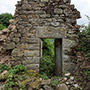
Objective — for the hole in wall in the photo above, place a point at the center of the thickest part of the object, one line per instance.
(51, 61)
(47, 62)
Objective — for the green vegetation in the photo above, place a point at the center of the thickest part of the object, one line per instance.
(4, 67)
(13, 75)
(85, 39)
(84, 48)
(2, 27)
(47, 60)
(54, 83)
(87, 74)
(48, 47)
(44, 76)
(18, 77)
(4, 19)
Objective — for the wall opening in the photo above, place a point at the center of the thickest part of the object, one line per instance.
(51, 60)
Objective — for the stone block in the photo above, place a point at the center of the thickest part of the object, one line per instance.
(45, 15)
(5, 31)
(46, 87)
(10, 45)
(26, 6)
(17, 35)
(31, 60)
(1, 33)
(66, 58)
(55, 24)
(2, 38)
(46, 82)
(33, 66)
(30, 46)
(69, 67)
(44, 0)
(12, 21)
(30, 53)
(58, 11)
(17, 52)
(16, 40)
(67, 43)
(30, 40)
(62, 87)
(50, 32)
(66, 12)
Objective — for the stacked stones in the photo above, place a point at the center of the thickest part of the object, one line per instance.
(31, 15)
(6, 45)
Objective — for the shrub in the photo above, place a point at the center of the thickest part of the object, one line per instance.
(4, 19)
(2, 27)
(47, 65)
(84, 48)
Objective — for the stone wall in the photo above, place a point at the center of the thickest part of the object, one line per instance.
(52, 19)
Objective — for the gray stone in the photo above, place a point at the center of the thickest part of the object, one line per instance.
(4, 75)
(69, 66)
(17, 52)
(71, 78)
(65, 78)
(46, 87)
(1, 33)
(11, 21)
(66, 58)
(2, 38)
(29, 46)
(33, 66)
(31, 60)
(55, 24)
(1, 86)
(66, 1)
(16, 40)
(67, 83)
(44, 0)
(67, 74)
(5, 31)
(30, 53)
(30, 40)
(10, 45)
(62, 87)
(50, 32)
(46, 82)
(17, 35)
(26, 6)
(58, 11)
(76, 85)
(69, 43)
(41, 89)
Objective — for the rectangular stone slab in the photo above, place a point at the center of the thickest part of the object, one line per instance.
(50, 32)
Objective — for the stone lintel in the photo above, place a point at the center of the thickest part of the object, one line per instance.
(50, 32)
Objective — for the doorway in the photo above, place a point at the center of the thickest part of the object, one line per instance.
(51, 61)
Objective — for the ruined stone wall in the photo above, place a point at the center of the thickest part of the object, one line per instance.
(43, 15)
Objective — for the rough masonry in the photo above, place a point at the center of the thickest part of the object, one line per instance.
(37, 19)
